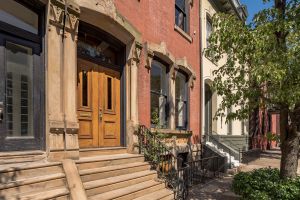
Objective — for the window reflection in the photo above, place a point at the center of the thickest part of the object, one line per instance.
(19, 75)
(159, 115)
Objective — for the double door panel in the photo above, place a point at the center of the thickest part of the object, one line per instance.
(98, 95)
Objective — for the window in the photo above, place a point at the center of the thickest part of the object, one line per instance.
(229, 126)
(208, 30)
(181, 16)
(159, 95)
(19, 89)
(181, 99)
(109, 93)
(19, 16)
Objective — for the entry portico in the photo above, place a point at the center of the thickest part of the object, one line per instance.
(64, 79)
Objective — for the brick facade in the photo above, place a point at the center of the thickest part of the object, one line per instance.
(155, 20)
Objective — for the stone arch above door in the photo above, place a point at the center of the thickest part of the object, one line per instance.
(105, 15)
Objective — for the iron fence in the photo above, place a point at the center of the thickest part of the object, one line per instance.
(168, 166)
(203, 169)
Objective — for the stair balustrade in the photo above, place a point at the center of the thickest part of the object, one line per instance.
(170, 168)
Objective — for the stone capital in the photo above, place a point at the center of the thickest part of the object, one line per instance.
(136, 54)
(173, 71)
(64, 14)
(149, 58)
(192, 79)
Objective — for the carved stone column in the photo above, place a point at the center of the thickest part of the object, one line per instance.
(61, 80)
(70, 80)
(54, 78)
(133, 121)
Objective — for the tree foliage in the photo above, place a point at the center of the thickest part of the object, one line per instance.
(255, 66)
(259, 63)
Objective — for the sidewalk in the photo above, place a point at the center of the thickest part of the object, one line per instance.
(219, 189)
(216, 189)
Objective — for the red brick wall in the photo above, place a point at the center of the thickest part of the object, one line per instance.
(155, 19)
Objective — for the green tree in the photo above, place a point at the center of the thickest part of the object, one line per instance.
(261, 69)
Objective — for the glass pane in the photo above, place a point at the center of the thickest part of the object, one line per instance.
(180, 87)
(17, 15)
(180, 4)
(109, 93)
(208, 30)
(19, 90)
(155, 79)
(155, 120)
(180, 19)
(85, 91)
(181, 99)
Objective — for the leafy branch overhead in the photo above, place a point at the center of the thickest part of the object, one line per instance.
(259, 68)
(255, 68)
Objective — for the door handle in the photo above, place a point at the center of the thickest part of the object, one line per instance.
(1, 112)
(100, 115)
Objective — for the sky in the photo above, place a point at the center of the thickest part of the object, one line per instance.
(255, 6)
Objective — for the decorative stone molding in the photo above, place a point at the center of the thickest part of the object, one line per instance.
(173, 71)
(150, 56)
(191, 81)
(184, 66)
(137, 51)
(104, 14)
(136, 54)
(57, 13)
(108, 7)
(159, 50)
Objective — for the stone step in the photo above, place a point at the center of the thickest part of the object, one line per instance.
(34, 184)
(117, 182)
(131, 192)
(113, 170)
(54, 193)
(13, 158)
(164, 193)
(108, 160)
(101, 151)
(12, 174)
(170, 197)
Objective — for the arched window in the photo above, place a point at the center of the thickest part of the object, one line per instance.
(159, 95)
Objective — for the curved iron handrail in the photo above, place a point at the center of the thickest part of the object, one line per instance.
(169, 167)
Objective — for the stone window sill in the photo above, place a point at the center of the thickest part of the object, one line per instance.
(182, 33)
(172, 132)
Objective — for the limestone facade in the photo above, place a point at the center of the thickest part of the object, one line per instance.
(209, 125)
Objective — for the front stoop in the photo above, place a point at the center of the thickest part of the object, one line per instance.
(117, 176)
(120, 176)
(34, 182)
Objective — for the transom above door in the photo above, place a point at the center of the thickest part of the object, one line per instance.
(98, 105)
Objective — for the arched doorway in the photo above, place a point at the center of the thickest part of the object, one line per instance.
(99, 71)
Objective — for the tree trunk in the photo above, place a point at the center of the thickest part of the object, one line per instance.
(289, 147)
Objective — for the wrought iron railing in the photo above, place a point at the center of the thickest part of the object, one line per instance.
(170, 168)
(205, 168)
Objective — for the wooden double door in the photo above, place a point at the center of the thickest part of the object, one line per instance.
(98, 105)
